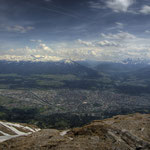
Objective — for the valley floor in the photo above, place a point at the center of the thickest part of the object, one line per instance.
(60, 108)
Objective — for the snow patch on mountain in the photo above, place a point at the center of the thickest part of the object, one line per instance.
(11, 130)
(29, 58)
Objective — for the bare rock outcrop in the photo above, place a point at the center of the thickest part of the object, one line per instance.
(129, 132)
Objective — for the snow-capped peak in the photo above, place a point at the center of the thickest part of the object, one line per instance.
(29, 58)
(68, 61)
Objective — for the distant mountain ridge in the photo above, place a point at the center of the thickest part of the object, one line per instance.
(58, 67)
(47, 58)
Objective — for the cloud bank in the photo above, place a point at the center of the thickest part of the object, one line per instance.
(109, 47)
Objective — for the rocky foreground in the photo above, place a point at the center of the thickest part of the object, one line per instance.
(129, 132)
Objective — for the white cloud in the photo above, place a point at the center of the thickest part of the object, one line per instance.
(127, 45)
(18, 28)
(147, 31)
(107, 43)
(45, 48)
(145, 9)
(119, 25)
(39, 41)
(41, 49)
(96, 5)
(86, 43)
(80, 53)
(119, 5)
(115, 5)
(119, 36)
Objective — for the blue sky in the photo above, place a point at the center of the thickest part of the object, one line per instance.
(108, 30)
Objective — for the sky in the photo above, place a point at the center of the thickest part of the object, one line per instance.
(103, 30)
